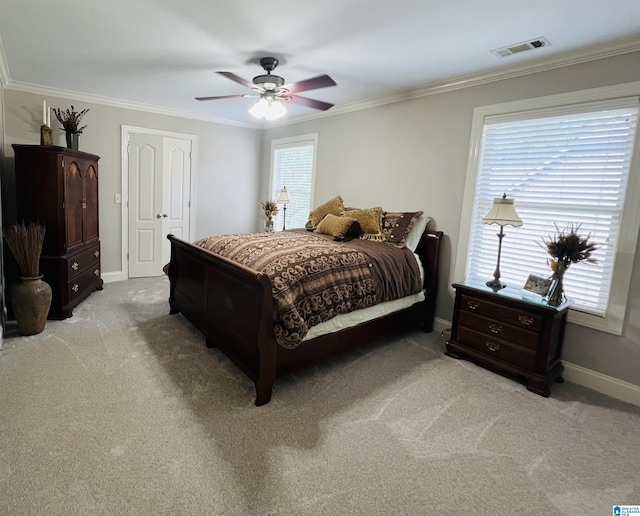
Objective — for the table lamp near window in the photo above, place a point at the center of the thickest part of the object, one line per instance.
(502, 213)
(284, 198)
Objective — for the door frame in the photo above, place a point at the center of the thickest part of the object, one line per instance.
(126, 131)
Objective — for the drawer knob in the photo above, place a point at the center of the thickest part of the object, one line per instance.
(96, 272)
(493, 346)
(96, 254)
(75, 266)
(473, 305)
(75, 287)
(527, 320)
(495, 328)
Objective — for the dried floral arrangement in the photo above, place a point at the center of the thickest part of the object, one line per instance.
(70, 119)
(270, 209)
(567, 247)
(25, 243)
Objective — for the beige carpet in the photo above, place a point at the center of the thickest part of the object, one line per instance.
(123, 410)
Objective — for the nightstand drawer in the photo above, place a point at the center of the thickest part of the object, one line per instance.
(520, 318)
(497, 348)
(493, 329)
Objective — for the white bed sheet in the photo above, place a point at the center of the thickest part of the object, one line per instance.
(343, 321)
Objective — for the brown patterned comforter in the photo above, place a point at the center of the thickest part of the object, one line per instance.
(314, 278)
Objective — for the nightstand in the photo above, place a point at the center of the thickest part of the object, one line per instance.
(505, 332)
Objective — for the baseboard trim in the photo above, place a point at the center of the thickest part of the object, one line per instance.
(112, 277)
(608, 385)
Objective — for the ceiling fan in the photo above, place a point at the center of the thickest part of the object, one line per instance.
(272, 89)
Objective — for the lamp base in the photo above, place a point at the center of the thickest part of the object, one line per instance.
(495, 284)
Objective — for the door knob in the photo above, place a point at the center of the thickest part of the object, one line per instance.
(160, 216)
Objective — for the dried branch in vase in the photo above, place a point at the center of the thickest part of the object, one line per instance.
(70, 119)
(25, 243)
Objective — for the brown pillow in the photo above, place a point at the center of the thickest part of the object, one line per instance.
(337, 227)
(396, 226)
(370, 221)
(334, 206)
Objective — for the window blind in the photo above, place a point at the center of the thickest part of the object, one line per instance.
(293, 168)
(563, 166)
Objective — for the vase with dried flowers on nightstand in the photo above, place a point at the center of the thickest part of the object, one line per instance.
(70, 120)
(31, 298)
(565, 248)
(270, 210)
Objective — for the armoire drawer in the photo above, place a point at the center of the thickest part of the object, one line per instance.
(83, 281)
(88, 258)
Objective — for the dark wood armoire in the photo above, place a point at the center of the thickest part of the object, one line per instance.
(59, 188)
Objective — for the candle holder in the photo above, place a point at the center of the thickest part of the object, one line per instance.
(46, 135)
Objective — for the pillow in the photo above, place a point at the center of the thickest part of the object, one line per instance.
(396, 226)
(337, 227)
(416, 233)
(370, 222)
(334, 206)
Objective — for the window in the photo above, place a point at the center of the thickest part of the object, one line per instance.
(293, 167)
(564, 165)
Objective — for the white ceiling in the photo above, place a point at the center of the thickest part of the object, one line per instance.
(161, 54)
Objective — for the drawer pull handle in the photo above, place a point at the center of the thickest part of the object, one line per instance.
(495, 328)
(75, 266)
(75, 287)
(525, 319)
(473, 305)
(96, 254)
(493, 346)
(96, 272)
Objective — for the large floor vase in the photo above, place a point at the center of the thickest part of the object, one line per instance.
(31, 300)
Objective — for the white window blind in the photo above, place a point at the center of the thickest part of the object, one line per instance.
(292, 166)
(564, 166)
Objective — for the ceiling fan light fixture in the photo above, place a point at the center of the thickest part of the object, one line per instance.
(270, 109)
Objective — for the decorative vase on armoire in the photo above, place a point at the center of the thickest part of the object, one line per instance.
(73, 140)
(59, 187)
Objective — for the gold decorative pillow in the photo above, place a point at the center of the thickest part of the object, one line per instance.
(337, 227)
(370, 220)
(333, 206)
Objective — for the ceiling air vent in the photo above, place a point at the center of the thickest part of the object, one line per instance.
(521, 47)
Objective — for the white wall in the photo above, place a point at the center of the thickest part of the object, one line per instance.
(227, 164)
(413, 155)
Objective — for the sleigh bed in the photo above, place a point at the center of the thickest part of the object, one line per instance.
(233, 306)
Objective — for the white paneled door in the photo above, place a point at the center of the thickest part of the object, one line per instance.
(159, 195)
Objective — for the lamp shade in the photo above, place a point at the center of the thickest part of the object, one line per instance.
(283, 198)
(502, 213)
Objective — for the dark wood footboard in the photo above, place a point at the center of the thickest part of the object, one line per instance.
(232, 306)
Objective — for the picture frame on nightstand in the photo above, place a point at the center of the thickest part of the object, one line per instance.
(537, 286)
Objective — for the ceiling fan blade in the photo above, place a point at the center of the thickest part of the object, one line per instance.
(312, 103)
(238, 79)
(321, 81)
(225, 97)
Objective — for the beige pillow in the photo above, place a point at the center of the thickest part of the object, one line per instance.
(370, 220)
(334, 206)
(337, 227)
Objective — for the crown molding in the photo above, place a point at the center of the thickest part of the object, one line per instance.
(583, 55)
(5, 78)
(118, 103)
